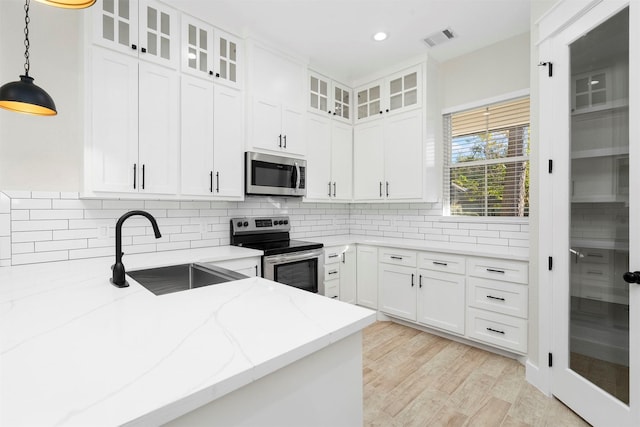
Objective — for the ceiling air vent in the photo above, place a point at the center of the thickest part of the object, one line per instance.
(439, 37)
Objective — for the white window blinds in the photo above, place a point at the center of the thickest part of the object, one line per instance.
(487, 160)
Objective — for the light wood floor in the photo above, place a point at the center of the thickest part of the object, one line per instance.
(412, 378)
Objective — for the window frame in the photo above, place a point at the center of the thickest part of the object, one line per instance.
(448, 166)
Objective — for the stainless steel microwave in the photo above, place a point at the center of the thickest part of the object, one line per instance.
(266, 174)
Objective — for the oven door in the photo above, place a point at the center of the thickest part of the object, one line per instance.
(302, 269)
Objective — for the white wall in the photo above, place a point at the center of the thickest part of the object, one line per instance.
(492, 71)
(42, 153)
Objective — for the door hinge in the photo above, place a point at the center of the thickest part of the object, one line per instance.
(549, 66)
(550, 360)
(550, 263)
(550, 166)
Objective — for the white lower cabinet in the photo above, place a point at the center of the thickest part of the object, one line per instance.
(340, 273)
(441, 300)
(482, 299)
(367, 276)
(250, 267)
(497, 302)
(397, 290)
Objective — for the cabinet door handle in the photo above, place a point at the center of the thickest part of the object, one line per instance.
(285, 141)
(329, 188)
(412, 276)
(333, 256)
(493, 270)
(256, 270)
(387, 188)
(333, 272)
(495, 298)
(143, 50)
(334, 297)
(217, 182)
(211, 182)
(134, 47)
(143, 176)
(135, 173)
(334, 189)
(211, 72)
(440, 263)
(420, 281)
(280, 139)
(495, 330)
(343, 258)
(218, 75)
(380, 188)
(395, 257)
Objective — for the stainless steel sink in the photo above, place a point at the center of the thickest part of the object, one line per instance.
(175, 278)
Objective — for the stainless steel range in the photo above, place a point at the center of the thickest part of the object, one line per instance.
(292, 262)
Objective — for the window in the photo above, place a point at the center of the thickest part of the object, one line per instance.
(487, 160)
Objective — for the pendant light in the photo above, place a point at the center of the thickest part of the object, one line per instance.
(69, 4)
(24, 96)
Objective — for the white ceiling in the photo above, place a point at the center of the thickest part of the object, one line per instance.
(336, 35)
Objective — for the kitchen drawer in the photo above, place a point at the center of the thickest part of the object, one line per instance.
(595, 271)
(331, 272)
(333, 254)
(498, 269)
(500, 297)
(397, 257)
(497, 329)
(441, 262)
(594, 256)
(332, 289)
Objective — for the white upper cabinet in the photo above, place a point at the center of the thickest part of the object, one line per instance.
(196, 56)
(210, 53)
(134, 125)
(146, 29)
(328, 97)
(228, 59)
(211, 143)
(276, 91)
(388, 158)
(396, 93)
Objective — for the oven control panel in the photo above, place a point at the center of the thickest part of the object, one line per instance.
(252, 225)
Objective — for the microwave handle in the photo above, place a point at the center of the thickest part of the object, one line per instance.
(297, 175)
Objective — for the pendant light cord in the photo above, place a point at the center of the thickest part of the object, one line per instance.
(26, 37)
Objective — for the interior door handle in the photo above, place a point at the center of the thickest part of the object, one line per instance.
(631, 277)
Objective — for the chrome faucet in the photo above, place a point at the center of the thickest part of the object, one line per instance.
(118, 279)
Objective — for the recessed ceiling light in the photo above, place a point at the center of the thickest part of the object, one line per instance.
(380, 36)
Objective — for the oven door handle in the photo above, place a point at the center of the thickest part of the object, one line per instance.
(294, 256)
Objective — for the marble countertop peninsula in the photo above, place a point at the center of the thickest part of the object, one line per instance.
(77, 351)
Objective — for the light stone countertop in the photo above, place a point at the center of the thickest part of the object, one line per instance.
(506, 252)
(75, 350)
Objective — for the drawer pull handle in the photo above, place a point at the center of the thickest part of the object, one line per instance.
(440, 263)
(592, 255)
(333, 256)
(493, 270)
(599, 273)
(333, 272)
(496, 298)
(395, 257)
(495, 330)
(334, 297)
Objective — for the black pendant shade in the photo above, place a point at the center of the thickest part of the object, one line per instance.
(25, 97)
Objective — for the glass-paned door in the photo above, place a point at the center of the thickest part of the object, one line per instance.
(592, 345)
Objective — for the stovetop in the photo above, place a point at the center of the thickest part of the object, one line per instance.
(268, 234)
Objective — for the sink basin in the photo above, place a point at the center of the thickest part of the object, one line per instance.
(175, 278)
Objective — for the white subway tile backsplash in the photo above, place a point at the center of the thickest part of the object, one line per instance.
(52, 226)
(30, 204)
(38, 257)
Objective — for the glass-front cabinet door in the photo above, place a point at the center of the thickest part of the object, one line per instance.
(369, 101)
(115, 25)
(228, 56)
(158, 33)
(197, 47)
(595, 345)
(404, 89)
